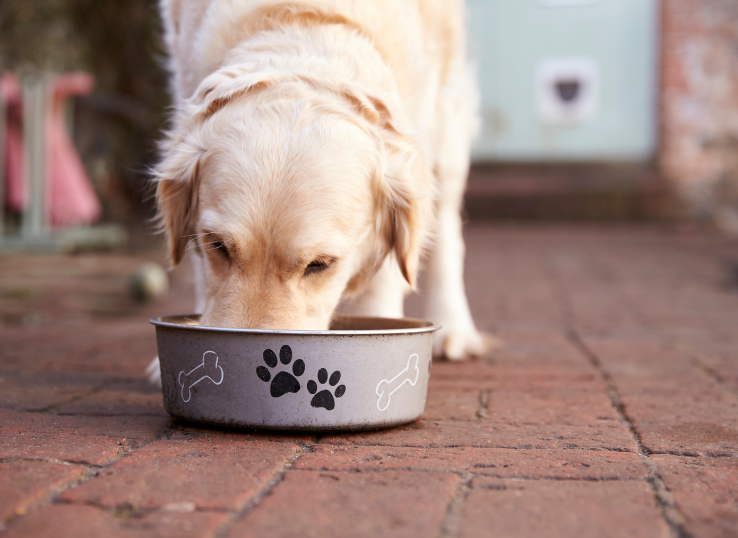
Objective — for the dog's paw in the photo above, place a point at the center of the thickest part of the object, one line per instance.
(154, 372)
(458, 345)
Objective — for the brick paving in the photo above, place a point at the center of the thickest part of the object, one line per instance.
(611, 411)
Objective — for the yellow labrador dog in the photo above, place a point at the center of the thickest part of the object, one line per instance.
(318, 148)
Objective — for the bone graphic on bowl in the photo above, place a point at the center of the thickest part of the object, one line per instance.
(208, 369)
(385, 389)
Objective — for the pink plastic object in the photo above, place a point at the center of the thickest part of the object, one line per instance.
(72, 199)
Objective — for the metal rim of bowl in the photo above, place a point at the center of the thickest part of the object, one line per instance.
(428, 326)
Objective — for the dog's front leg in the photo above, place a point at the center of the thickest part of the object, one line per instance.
(153, 370)
(446, 297)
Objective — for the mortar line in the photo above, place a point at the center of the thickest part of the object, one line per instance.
(49, 409)
(50, 496)
(709, 372)
(452, 517)
(491, 447)
(197, 431)
(256, 499)
(712, 374)
(90, 471)
(669, 509)
(473, 472)
(484, 400)
(137, 510)
(70, 463)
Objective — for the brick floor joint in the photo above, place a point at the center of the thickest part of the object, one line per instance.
(666, 502)
(452, 517)
(256, 499)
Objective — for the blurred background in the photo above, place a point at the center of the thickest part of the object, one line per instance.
(624, 109)
(114, 124)
(590, 109)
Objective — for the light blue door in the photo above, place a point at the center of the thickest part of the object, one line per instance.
(565, 79)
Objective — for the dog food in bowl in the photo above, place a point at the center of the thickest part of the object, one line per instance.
(364, 373)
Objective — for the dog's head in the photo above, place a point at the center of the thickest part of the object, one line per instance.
(293, 194)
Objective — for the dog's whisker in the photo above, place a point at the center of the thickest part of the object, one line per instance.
(225, 243)
(190, 247)
(200, 234)
(206, 249)
(218, 241)
(203, 244)
(195, 237)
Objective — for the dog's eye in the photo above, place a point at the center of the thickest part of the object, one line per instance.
(219, 247)
(317, 266)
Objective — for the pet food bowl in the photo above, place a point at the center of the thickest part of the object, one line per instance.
(364, 373)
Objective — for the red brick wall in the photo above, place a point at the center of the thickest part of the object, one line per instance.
(699, 105)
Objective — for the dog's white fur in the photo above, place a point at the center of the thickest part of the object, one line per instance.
(317, 148)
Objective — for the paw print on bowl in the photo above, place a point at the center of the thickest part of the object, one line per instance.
(325, 398)
(284, 382)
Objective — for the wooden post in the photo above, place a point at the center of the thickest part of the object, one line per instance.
(34, 222)
(3, 179)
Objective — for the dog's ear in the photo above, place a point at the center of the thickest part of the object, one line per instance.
(404, 187)
(225, 85)
(176, 195)
(177, 174)
(406, 194)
